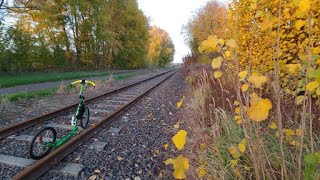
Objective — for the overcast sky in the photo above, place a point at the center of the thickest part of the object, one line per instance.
(171, 15)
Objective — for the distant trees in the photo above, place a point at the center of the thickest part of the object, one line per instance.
(161, 48)
(210, 19)
(63, 34)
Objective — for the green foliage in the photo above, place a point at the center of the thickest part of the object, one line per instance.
(73, 35)
(29, 95)
(29, 78)
(312, 161)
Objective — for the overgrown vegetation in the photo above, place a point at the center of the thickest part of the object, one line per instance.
(256, 108)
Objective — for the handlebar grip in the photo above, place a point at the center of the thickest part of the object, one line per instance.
(83, 82)
(75, 82)
(91, 83)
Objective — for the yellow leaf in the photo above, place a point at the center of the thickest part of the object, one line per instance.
(288, 91)
(259, 109)
(180, 166)
(293, 143)
(243, 74)
(179, 104)
(239, 121)
(232, 150)
(299, 132)
(244, 87)
(312, 85)
(179, 139)
(304, 5)
(203, 146)
(231, 43)
(176, 126)
(237, 110)
(169, 161)
(242, 145)
(257, 80)
(299, 100)
(166, 146)
(299, 24)
(237, 118)
(294, 68)
(209, 45)
(237, 173)
(227, 54)
(266, 24)
(273, 125)
(221, 42)
(318, 91)
(233, 162)
(216, 62)
(289, 132)
(242, 148)
(201, 171)
(236, 103)
(217, 74)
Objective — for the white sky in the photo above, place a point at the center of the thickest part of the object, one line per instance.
(171, 15)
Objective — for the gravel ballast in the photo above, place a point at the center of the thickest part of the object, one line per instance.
(135, 141)
(13, 112)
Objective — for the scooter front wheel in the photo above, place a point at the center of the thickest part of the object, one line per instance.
(84, 121)
(39, 146)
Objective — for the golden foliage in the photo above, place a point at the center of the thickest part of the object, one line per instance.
(179, 139)
(180, 166)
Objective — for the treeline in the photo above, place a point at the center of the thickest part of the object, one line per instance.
(161, 48)
(210, 19)
(74, 35)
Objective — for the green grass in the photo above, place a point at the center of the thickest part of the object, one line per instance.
(126, 76)
(30, 78)
(29, 95)
(50, 91)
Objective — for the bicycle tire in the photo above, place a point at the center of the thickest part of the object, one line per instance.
(38, 137)
(84, 121)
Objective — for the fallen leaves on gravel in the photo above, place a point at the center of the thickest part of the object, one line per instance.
(176, 126)
(179, 139)
(97, 171)
(180, 166)
(93, 177)
(166, 146)
(119, 158)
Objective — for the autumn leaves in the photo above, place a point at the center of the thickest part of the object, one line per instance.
(180, 164)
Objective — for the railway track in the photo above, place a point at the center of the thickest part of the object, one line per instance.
(104, 109)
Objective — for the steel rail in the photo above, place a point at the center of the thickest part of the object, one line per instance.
(6, 131)
(45, 164)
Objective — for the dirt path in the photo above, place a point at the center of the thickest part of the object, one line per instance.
(47, 85)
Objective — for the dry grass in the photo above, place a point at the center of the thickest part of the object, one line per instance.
(209, 116)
